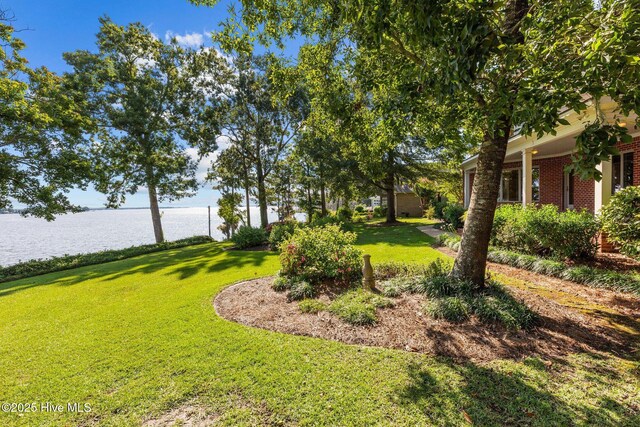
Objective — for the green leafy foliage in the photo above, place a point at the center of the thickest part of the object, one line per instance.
(621, 220)
(321, 254)
(380, 211)
(359, 306)
(42, 150)
(42, 266)
(452, 215)
(300, 289)
(281, 231)
(249, 237)
(311, 305)
(228, 210)
(545, 231)
(344, 214)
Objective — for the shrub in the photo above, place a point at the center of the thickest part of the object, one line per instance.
(320, 221)
(42, 266)
(360, 209)
(358, 306)
(453, 309)
(311, 306)
(359, 217)
(545, 231)
(344, 214)
(491, 305)
(621, 221)
(380, 211)
(438, 207)
(282, 283)
(280, 232)
(248, 237)
(452, 214)
(321, 254)
(429, 213)
(300, 290)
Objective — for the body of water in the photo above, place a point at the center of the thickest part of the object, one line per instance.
(23, 239)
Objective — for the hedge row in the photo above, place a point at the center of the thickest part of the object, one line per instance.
(43, 266)
(583, 274)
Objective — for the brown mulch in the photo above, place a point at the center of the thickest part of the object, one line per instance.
(614, 261)
(561, 330)
(624, 303)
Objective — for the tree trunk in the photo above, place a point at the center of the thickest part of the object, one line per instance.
(391, 198)
(248, 201)
(471, 260)
(470, 263)
(155, 210)
(262, 196)
(323, 199)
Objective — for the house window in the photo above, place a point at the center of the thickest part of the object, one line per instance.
(510, 185)
(622, 171)
(535, 184)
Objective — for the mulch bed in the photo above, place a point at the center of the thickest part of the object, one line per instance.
(561, 330)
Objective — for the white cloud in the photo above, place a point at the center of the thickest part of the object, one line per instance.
(203, 163)
(186, 40)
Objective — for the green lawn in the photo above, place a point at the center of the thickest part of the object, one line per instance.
(138, 337)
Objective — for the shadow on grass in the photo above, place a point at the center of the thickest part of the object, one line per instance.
(504, 397)
(183, 263)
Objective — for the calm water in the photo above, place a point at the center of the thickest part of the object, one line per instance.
(22, 239)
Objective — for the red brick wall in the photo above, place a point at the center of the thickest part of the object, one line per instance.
(552, 177)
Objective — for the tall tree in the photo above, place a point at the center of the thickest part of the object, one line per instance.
(148, 100)
(229, 172)
(262, 122)
(42, 152)
(508, 62)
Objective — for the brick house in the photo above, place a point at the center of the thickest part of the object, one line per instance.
(534, 167)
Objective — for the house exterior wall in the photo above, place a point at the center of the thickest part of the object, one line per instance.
(408, 203)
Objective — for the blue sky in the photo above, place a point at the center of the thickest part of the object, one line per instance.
(50, 28)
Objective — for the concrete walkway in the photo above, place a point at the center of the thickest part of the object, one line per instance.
(429, 230)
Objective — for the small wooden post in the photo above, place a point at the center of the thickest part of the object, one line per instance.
(209, 210)
(368, 281)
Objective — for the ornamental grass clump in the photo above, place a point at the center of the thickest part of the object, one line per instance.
(319, 256)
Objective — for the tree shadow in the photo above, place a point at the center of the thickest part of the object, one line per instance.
(501, 396)
(183, 263)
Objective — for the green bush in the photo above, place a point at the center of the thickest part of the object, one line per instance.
(429, 213)
(321, 254)
(438, 208)
(280, 232)
(43, 266)
(452, 214)
(300, 290)
(380, 211)
(621, 221)
(358, 306)
(493, 304)
(360, 209)
(344, 214)
(248, 237)
(545, 231)
(321, 221)
(311, 306)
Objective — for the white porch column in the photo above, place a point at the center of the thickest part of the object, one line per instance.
(467, 188)
(527, 177)
(603, 188)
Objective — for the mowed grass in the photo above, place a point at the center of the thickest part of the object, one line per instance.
(138, 338)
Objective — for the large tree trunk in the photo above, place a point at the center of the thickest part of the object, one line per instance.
(470, 263)
(389, 184)
(155, 210)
